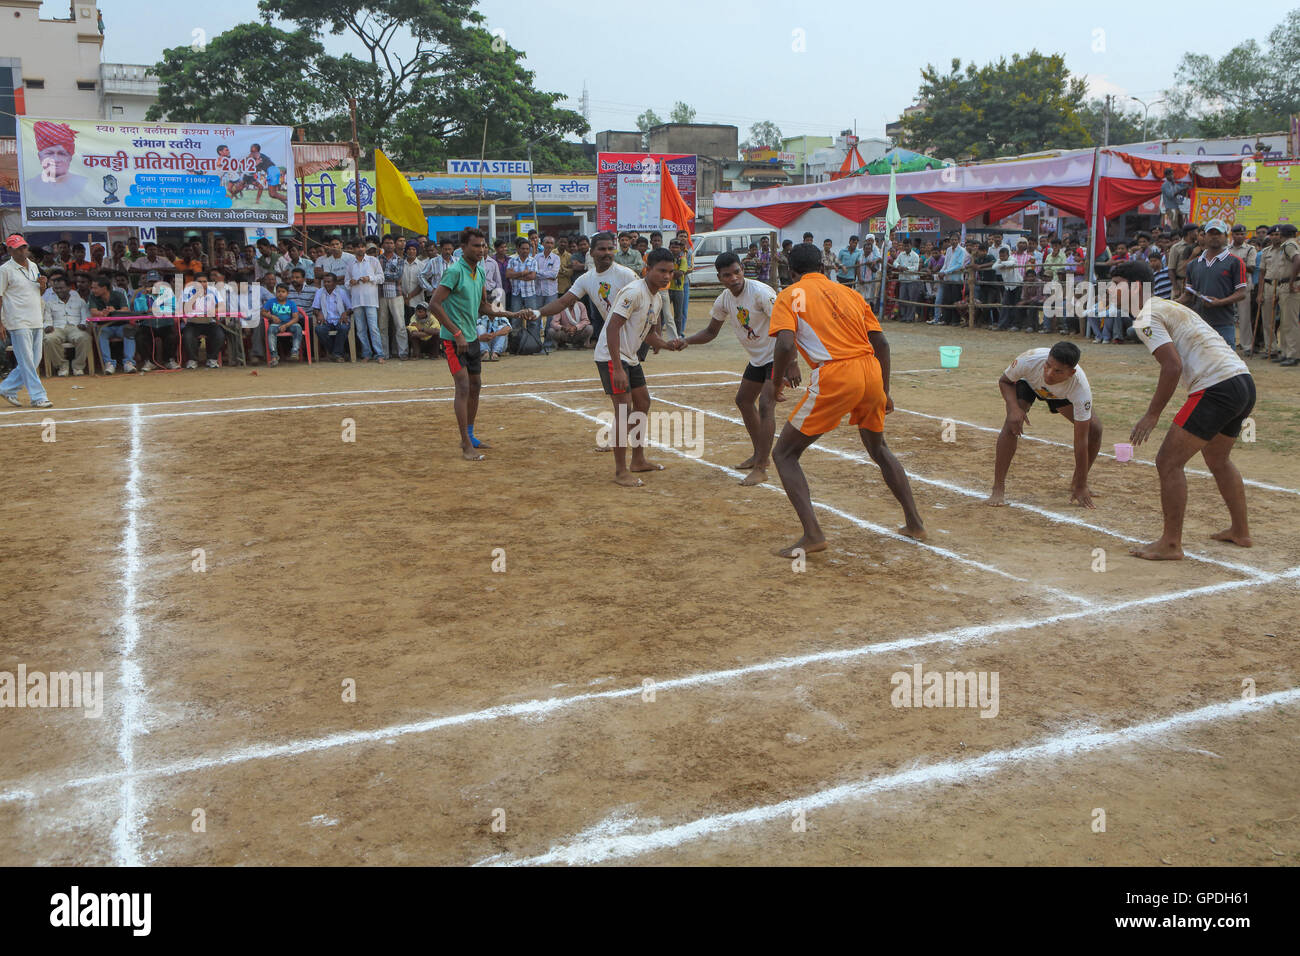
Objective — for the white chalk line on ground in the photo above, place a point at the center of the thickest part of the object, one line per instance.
(541, 708)
(1053, 516)
(315, 405)
(126, 834)
(1060, 444)
(1062, 747)
(367, 391)
(853, 519)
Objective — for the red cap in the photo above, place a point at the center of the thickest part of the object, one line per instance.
(15, 241)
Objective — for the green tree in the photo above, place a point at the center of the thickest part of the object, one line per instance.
(645, 122)
(430, 77)
(1021, 105)
(682, 113)
(1248, 90)
(762, 134)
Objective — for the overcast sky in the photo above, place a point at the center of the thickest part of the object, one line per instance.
(735, 60)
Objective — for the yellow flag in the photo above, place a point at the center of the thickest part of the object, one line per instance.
(396, 200)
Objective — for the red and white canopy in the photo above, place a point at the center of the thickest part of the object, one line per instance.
(994, 190)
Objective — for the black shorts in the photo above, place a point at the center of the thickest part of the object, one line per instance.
(1025, 393)
(635, 376)
(758, 373)
(1219, 409)
(470, 361)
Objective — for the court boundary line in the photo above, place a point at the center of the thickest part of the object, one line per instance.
(863, 523)
(1053, 516)
(541, 708)
(126, 832)
(367, 391)
(944, 773)
(296, 408)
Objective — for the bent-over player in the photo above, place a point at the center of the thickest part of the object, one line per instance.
(747, 304)
(837, 334)
(1054, 376)
(1221, 394)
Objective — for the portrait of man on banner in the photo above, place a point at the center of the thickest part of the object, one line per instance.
(56, 184)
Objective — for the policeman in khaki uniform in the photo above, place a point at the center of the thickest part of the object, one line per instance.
(1272, 274)
(1289, 295)
(1246, 253)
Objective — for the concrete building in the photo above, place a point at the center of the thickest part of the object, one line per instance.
(51, 67)
(803, 147)
(717, 141)
(618, 141)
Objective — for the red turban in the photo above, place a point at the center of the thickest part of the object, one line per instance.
(54, 134)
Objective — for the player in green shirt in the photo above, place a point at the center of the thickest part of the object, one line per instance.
(457, 303)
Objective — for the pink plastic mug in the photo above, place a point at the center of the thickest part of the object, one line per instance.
(1123, 451)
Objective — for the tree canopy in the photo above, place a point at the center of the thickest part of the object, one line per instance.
(1248, 90)
(761, 134)
(431, 75)
(1021, 105)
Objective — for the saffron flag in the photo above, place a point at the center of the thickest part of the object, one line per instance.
(672, 207)
(396, 200)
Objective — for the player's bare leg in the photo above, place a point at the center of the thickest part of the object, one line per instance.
(461, 404)
(757, 404)
(785, 456)
(471, 412)
(891, 469)
(1228, 478)
(1008, 441)
(641, 403)
(1176, 451)
(622, 410)
(1094, 439)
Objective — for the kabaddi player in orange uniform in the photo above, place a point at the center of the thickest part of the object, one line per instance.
(838, 335)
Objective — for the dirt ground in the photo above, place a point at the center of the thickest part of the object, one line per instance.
(643, 682)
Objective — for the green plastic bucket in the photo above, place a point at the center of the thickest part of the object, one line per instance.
(949, 355)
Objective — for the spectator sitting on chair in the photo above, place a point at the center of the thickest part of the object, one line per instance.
(280, 315)
(493, 335)
(423, 330)
(106, 301)
(301, 293)
(199, 305)
(156, 299)
(65, 322)
(571, 328)
(333, 311)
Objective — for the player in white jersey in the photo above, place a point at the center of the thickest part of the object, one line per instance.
(747, 304)
(634, 318)
(601, 285)
(1054, 376)
(1221, 394)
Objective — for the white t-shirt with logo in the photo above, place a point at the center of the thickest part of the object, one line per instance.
(641, 309)
(1207, 357)
(1030, 366)
(602, 288)
(750, 313)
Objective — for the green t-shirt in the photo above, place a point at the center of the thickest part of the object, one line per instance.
(463, 301)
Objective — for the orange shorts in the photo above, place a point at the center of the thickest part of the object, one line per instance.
(852, 387)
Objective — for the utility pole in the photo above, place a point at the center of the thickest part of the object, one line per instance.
(356, 170)
(1105, 133)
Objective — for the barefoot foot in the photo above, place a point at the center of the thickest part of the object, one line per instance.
(804, 545)
(756, 477)
(997, 499)
(1158, 551)
(469, 454)
(628, 480)
(748, 463)
(646, 466)
(1235, 537)
(917, 533)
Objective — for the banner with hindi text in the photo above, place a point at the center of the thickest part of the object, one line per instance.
(94, 174)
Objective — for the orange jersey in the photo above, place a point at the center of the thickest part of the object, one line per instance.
(830, 322)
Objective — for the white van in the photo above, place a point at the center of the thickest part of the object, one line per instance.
(709, 245)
